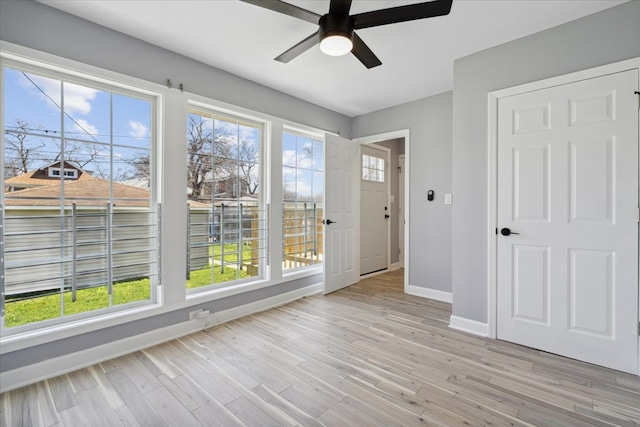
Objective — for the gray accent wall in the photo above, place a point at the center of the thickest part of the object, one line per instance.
(429, 121)
(606, 37)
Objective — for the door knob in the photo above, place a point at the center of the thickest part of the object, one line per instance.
(328, 222)
(505, 232)
(387, 216)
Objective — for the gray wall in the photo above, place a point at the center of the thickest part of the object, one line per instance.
(430, 123)
(397, 147)
(34, 25)
(609, 36)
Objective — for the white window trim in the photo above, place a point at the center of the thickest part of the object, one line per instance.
(31, 60)
(73, 173)
(304, 133)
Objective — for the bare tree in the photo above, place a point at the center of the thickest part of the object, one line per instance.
(20, 150)
(141, 165)
(212, 155)
(25, 150)
(248, 153)
(199, 150)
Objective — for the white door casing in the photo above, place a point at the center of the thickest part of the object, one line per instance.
(342, 208)
(401, 209)
(374, 226)
(568, 183)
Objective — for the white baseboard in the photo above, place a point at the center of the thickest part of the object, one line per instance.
(419, 291)
(395, 266)
(470, 326)
(26, 375)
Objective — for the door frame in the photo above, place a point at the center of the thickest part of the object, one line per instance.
(387, 159)
(492, 162)
(401, 198)
(402, 133)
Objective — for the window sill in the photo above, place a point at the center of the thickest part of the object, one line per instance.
(227, 291)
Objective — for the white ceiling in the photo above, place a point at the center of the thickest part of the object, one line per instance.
(417, 57)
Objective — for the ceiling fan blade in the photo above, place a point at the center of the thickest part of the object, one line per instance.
(340, 7)
(299, 49)
(287, 9)
(363, 53)
(401, 14)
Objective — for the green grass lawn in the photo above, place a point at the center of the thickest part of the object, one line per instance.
(202, 277)
(230, 252)
(26, 311)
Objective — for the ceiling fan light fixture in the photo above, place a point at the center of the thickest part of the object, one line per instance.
(336, 45)
(336, 34)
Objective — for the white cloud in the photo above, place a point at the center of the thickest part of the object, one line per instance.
(305, 162)
(137, 129)
(84, 127)
(77, 99)
(304, 188)
(288, 157)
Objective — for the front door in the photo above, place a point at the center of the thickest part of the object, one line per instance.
(374, 210)
(342, 203)
(568, 220)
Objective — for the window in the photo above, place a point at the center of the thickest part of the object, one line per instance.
(226, 233)
(87, 244)
(372, 168)
(68, 173)
(303, 194)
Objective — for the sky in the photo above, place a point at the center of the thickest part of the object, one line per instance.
(96, 118)
(303, 164)
(97, 122)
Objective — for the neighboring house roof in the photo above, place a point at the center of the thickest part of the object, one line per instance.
(137, 182)
(86, 190)
(40, 177)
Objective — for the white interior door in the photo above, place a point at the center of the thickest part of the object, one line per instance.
(568, 184)
(374, 210)
(342, 213)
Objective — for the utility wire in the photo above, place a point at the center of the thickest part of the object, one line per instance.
(17, 129)
(59, 107)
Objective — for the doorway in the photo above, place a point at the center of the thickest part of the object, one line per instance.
(374, 209)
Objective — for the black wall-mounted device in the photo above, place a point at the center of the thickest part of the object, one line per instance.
(430, 195)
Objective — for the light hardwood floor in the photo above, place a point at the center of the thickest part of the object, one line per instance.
(367, 355)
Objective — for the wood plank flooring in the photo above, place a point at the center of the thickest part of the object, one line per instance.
(367, 355)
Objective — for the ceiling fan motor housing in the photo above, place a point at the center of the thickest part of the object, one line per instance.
(336, 25)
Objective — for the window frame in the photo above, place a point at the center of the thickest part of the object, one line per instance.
(258, 281)
(314, 136)
(47, 65)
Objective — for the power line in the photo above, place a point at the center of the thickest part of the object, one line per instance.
(59, 107)
(18, 129)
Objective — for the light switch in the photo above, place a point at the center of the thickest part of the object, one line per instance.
(448, 199)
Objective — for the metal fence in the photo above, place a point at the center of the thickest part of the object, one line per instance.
(227, 236)
(76, 248)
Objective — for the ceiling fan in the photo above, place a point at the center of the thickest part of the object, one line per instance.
(336, 33)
